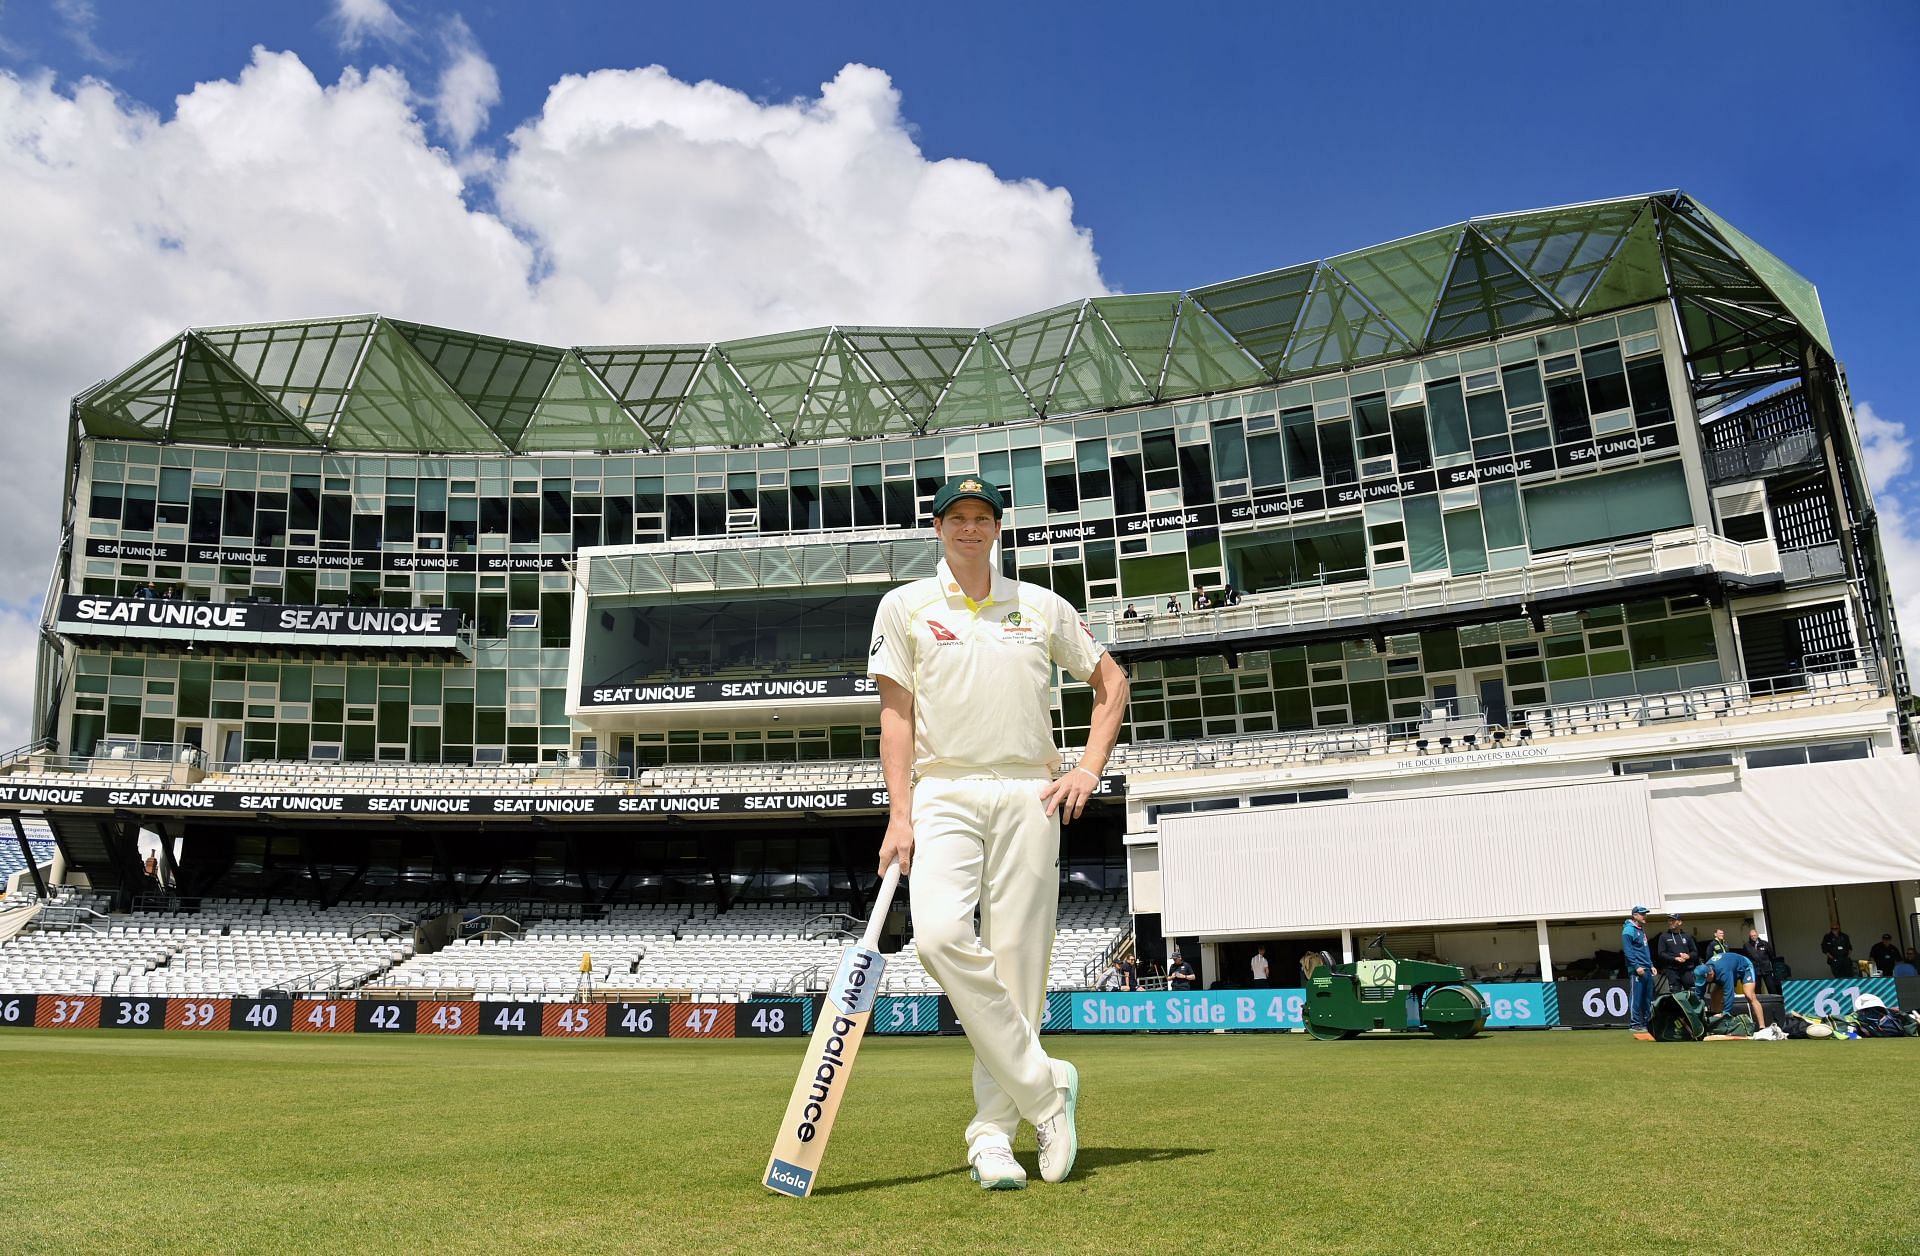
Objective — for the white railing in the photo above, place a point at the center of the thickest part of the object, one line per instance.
(1667, 553)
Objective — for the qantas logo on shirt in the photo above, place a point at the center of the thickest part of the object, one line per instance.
(940, 631)
(1088, 631)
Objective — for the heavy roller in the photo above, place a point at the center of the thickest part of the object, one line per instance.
(1390, 993)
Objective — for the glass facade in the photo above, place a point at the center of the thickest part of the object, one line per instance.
(1485, 459)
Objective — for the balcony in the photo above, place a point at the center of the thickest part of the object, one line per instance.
(1691, 556)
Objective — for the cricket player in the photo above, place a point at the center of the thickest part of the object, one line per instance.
(964, 664)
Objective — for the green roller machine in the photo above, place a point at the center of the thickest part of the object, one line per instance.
(1391, 993)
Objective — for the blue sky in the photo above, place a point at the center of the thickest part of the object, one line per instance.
(1206, 141)
(463, 163)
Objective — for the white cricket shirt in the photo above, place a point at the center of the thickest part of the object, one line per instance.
(981, 677)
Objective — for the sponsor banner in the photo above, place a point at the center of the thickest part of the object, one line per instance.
(700, 1020)
(1579, 455)
(456, 806)
(1060, 533)
(1057, 1015)
(447, 1016)
(1518, 1004)
(769, 689)
(1594, 1004)
(138, 551)
(323, 1016)
(82, 615)
(199, 1014)
(1493, 470)
(1838, 996)
(66, 1011)
(771, 1018)
(906, 1014)
(334, 560)
(16, 1010)
(321, 560)
(637, 1020)
(384, 1016)
(512, 1020)
(1575, 456)
(260, 1015)
(573, 1020)
(1276, 506)
(129, 1012)
(1390, 489)
(1192, 1011)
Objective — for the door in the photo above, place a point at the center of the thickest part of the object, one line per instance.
(1493, 697)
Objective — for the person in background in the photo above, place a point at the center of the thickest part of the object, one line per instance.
(1838, 948)
(147, 592)
(1259, 966)
(1733, 973)
(1181, 976)
(1130, 613)
(1173, 606)
(1201, 602)
(1633, 941)
(1909, 965)
(1718, 944)
(1884, 955)
(1760, 951)
(1678, 953)
(1129, 974)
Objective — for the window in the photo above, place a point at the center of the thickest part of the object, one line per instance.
(1683, 763)
(1598, 508)
(1448, 412)
(1826, 752)
(1303, 452)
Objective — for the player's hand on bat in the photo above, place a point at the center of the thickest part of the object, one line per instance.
(897, 845)
(1068, 794)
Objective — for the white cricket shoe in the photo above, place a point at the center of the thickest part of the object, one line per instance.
(1059, 1139)
(996, 1170)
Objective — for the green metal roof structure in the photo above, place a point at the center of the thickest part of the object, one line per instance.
(375, 384)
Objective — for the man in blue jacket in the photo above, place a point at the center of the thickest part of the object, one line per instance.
(1733, 973)
(1633, 940)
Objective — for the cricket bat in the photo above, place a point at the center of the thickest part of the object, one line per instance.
(824, 1071)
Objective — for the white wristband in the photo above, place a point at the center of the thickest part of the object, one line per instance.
(1090, 776)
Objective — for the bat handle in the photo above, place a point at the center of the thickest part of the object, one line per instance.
(870, 940)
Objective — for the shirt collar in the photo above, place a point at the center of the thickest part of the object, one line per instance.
(1003, 591)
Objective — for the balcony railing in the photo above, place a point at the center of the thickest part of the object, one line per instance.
(1667, 554)
(1825, 682)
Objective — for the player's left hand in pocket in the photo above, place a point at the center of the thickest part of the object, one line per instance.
(1068, 794)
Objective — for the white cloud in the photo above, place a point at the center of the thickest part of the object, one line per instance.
(359, 21)
(19, 638)
(1888, 450)
(675, 210)
(469, 86)
(1885, 444)
(634, 207)
(77, 21)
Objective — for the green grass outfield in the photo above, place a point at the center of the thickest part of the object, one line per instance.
(1213, 1143)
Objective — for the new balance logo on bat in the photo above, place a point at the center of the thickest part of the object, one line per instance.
(832, 1060)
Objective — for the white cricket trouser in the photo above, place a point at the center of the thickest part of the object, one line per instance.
(983, 838)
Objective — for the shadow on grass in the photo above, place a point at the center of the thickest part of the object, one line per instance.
(1090, 1161)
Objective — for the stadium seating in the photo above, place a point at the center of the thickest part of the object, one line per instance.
(754, 947)
(39, 840)
(228, 947)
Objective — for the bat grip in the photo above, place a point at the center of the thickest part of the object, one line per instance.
(870, 940)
